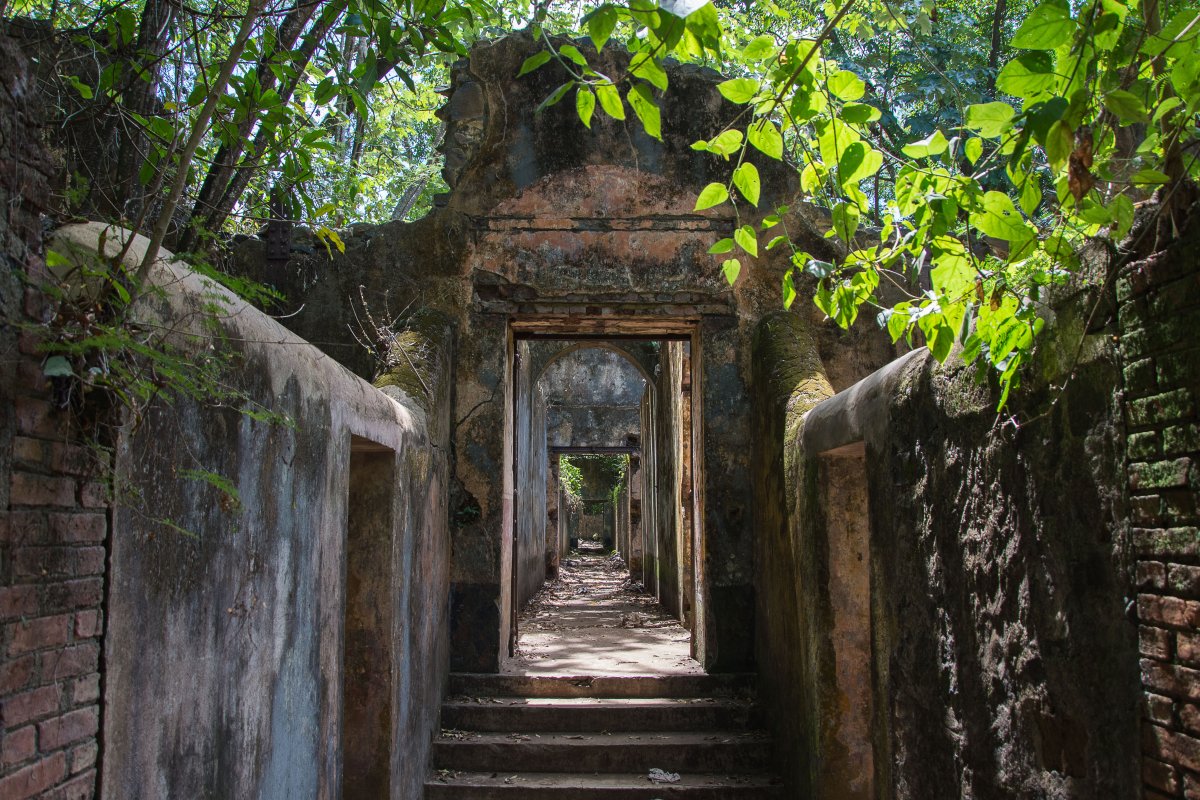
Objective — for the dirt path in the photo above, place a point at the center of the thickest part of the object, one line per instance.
(594, 620)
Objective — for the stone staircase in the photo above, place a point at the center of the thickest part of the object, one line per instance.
(526, 737)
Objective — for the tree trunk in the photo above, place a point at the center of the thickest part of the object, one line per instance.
(141, 97)
(998, 17)
(228, 155)
(219, 211)
(199, 130)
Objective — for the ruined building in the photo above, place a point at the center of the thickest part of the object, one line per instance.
(924, 605)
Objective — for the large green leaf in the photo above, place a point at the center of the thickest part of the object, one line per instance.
(645, 67)
(1046, 27)
(1126, 105)
(1028, 75)
(932, 145)
(641, 99)
(760, 48)
(998, 217)
(746, 179)
(610, 100)
(533, 62)
(585, 105)
(712, 195)
(990, 119)
(738, 90)
(766, 137)
(845, 85)
(600, 24)
(747, 239)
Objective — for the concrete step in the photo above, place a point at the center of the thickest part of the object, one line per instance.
(685, 753)
(625, 786)
(559, 714)
(468, 684)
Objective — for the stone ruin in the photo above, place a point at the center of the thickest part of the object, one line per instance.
(933, 607)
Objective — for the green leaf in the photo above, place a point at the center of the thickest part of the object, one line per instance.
(724, 144)
(738, 90)
(1031, 195)
(746, 179)
(601, 24)
(760, 48)
(712, 195)
(645, 67)
(585, 105)
(533, 62)
(1060, 141)
(610, 100)
(1028, 75)
(747, 240)
(766, 137)
(990, 120)
(1123, 213)
(1165, 40)
(1149, 177)
(998, 217)
(789, 289)
(731, 268)
(641, 99)
(845, 220)
(973, 149)
(1126, 105)
(1046, 27)
(859, 160)
(84, 90)
(847, 86)
(721, 246)
(932, 145)
(57, 367)
(572, 52)
(859, 113)
(555, 96)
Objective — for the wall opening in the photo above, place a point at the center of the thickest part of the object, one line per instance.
(367, 682)
(582, 401)
(849, 768)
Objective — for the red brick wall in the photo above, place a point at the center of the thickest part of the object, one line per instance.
(1160, 316)
(53, 519)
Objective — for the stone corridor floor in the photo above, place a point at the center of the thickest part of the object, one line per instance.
(594, 620)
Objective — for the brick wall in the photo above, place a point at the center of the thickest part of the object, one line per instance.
(53, 520)
(1160, 319)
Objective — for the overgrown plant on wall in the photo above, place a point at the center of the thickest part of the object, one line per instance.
(1094, 107)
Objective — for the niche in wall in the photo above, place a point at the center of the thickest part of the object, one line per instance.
(368, 690)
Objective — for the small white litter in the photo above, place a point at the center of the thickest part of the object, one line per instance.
(658, 776)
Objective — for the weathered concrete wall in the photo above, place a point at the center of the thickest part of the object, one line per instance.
(592, 398)
(1159, 310)
(53, 496)
(1001, 662)
(668, 436)
(236, 623)
(531, 483)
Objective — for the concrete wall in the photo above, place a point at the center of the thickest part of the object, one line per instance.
(668, 437)
(942, 602)
(592, 397)
(245, 632)
(531, 483)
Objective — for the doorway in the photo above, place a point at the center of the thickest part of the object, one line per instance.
(605, 542)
